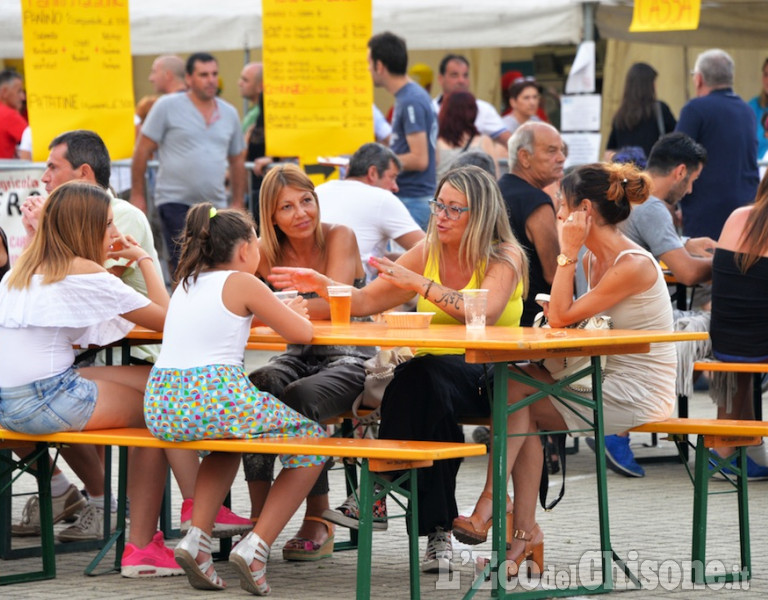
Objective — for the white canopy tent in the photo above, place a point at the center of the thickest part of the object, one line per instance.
(723, 23)
(181, 26)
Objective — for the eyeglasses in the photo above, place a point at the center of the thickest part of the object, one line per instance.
(451, 212)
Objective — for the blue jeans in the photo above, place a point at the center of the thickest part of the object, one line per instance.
(64, 402)
(173, 216)
(419, 208)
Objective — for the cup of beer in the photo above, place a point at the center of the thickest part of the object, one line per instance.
(340, 299)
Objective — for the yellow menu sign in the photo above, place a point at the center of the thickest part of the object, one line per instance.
(318, 95)
(78, 71)
(665, 15)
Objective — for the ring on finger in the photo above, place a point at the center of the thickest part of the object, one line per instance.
(390, 271)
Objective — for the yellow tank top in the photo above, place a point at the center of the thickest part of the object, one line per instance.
(510, 317)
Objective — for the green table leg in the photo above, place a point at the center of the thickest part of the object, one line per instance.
(46, 511)
(365, 533)
(117, 539)
(413, 537)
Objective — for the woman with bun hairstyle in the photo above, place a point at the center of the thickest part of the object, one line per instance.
(624, 282)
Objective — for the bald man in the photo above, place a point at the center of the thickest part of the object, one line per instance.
(251, 87)
(167, 74)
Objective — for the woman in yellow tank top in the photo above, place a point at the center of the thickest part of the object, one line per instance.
(469, 244)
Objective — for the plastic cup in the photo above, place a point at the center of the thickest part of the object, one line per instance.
(286, 295)
(340, 299)
(475, 303)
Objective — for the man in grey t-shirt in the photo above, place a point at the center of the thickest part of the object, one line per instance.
(196, 136)
(674, 164)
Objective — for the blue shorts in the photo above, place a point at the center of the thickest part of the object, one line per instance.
(64, 402)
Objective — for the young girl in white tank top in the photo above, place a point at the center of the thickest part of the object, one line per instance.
(198, 388)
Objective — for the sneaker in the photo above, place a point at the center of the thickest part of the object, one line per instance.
(89, 526)
(439, 553)
(69, 504)
(618, 456)
(481, 435)
(348, 514)
(755, 472)
(225, 525)
(154, 560)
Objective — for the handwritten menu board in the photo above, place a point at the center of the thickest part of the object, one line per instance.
(78, 71)
(318, 94)
(665, 15)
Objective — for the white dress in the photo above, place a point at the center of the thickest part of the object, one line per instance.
(637, 388)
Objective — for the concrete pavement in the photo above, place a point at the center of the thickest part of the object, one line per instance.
(650, 527)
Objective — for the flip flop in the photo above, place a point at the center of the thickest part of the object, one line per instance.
(301, 549)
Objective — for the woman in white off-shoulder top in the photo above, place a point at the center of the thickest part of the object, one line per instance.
(58, 295)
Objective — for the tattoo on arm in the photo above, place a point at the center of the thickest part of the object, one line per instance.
(449, 298)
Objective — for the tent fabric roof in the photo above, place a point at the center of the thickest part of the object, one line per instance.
(164, 26)
(723, 23)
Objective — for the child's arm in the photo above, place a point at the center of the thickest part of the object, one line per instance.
(152, 315)
(244, 295)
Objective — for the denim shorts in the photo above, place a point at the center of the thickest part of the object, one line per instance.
(64, 402)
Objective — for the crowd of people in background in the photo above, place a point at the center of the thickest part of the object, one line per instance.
(424, 212)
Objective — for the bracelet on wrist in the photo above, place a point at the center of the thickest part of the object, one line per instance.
(429, 287)
(146, 257)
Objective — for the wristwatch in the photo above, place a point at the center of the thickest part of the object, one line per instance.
(563, 260)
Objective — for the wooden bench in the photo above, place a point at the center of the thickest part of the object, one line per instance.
(377, 456)
(711, 434)
(757, 370)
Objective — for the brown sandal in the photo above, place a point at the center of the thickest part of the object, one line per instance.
(468, 530)
(532, 554)
(301, 549)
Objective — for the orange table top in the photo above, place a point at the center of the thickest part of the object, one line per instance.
(493, 344)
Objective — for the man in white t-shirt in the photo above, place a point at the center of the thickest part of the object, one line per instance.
(365, 201)
(454, 77)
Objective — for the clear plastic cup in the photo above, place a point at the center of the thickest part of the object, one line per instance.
(286, 295)
(475, 304)
(340, 299)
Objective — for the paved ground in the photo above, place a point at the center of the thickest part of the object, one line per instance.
(650, 524)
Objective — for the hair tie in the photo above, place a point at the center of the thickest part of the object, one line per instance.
(212, 213)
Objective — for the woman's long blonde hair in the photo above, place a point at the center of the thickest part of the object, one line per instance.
(73, 223)
(276, 180)
(488, 235)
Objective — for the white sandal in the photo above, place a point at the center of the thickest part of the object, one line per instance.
(186, 552)
(248, 549)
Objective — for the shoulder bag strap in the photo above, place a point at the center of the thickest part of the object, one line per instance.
(659, 118)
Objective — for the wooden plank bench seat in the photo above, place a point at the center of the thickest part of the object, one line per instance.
(711, 434)
(757, 370)
(376, 456)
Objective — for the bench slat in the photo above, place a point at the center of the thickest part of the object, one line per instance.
(707, 427)
(730, 367)
(343, 447)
